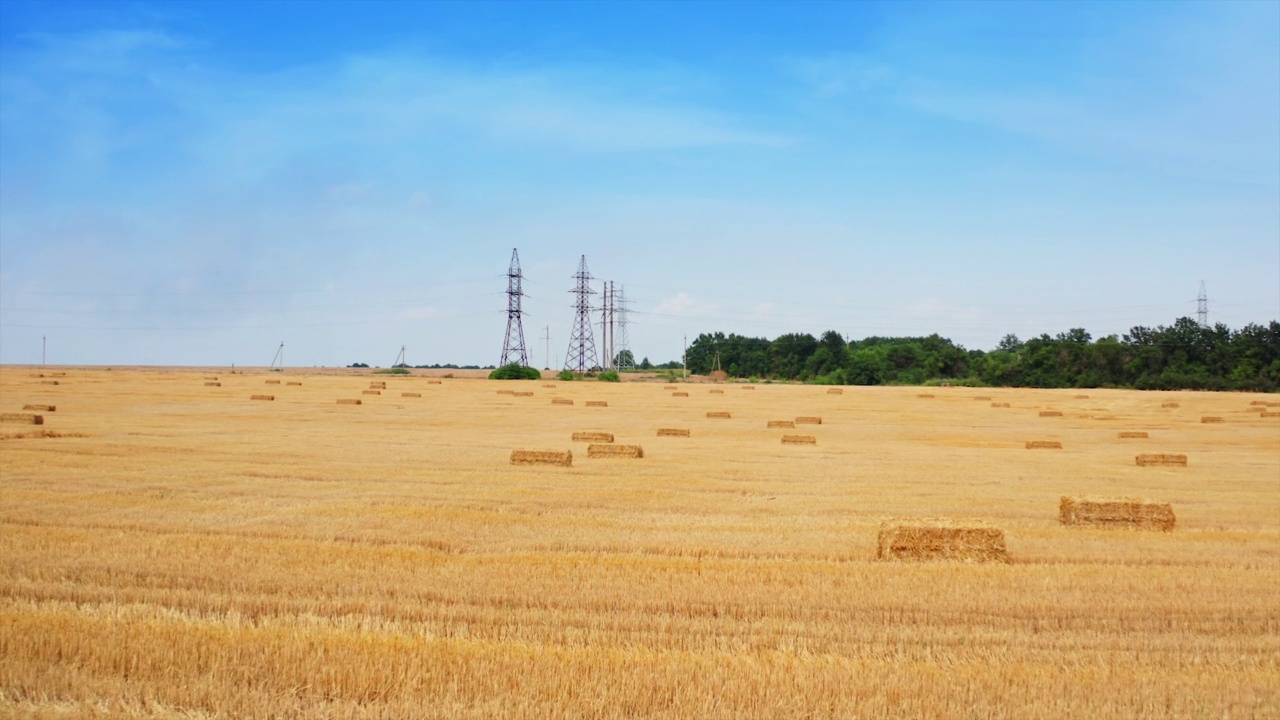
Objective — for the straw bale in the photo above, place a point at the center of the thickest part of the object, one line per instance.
(378, 384)
(748, 387)
(213, 384)
(1211, 419)
(58, 374)
(435, 382)
(371, 392)
(349, 401)
(594, 437)
(715, 391)
(808, 420)
(799, 440)
(1265, 403)
(542, 457)
(294, 383)
(1050, 413)
(262, 397)
(679, 394)
(1170, 459)
(551, 386)
(21, 418)
(273, 382)
(210, 377)
(1080, 397)
(981, 397)
(925, 396)
(522, 393)
(719, 415)
(41, 408)
(1116, 513)
(1264, 413)
(1044, 445)
(1000, 404)
(1169, 405)
(781, 424)
(941, 539)
(615, 451)
(506, 392)
(673, 432)
(1133, 434)
(668, 387)
(597, 403)
(48, 382)
(561, 401)
(835, 391)
(410, 394)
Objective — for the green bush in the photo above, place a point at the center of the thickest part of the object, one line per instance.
(566, 376)
(609, 376)
(392, 371)
(515, 371)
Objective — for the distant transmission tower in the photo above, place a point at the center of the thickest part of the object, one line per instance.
(1202, 307)
(279, 358)
(626, 360)
(582, 346)
(606, 323)
(400, 359)
(513, 346)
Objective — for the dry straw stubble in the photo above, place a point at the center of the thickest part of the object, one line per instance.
(614, 451)
(1116, 513)
(941, 539)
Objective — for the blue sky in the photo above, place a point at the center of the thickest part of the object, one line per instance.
(194, 183)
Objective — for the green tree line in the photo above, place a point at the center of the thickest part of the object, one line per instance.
(1181, 356)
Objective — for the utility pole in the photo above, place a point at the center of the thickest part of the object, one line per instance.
(278, 358)
(1202, 307)
(400, 359)
(44, 348)
(684, 361)
(613, 313)
(547, 357)
(581, 355)
(513, 345)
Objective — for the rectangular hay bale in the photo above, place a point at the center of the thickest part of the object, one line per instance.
(615, 451)
(435, 382)
(1170, 405)
(1161, 459)
(925, 396)
(1050, 413)
(410, 394)
(273, 382)
(1116, 513)
(522, 393)
(349, 401)
(213, 384)
(808, 420)
(48, 382)
(1211, 419)
(294, 383)
(41, 408)
(370, 392)
(561, 401)
(1134, 434)
(940, 539)
(597, 437)
(715, 391)
(1000, 404)
(1265, 413)
(262, 397)
(679, 394)
(835, 391)
(1044, 445)
(719, 415)
(799, 440)
(542, 457)
(781, 424)
(21, 419)
(981, 397)
(597, 403)
(673, 432)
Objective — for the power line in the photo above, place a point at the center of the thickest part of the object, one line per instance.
(581, 355)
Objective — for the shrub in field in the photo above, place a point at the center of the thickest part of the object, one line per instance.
(515, 371)
(566, 376)
(609, 376)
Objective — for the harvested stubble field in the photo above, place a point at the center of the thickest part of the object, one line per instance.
(201, 555)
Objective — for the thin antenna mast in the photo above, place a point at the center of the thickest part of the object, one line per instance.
(547, 357)
(581, 355)
(513, 346)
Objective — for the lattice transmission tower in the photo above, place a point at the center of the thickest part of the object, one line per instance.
(581, 356)
(626, 359)
(1202, 307)
(513, 350)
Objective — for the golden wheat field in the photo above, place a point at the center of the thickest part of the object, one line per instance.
(172, 548)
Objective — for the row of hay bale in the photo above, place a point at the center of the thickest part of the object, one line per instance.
(977, 541)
